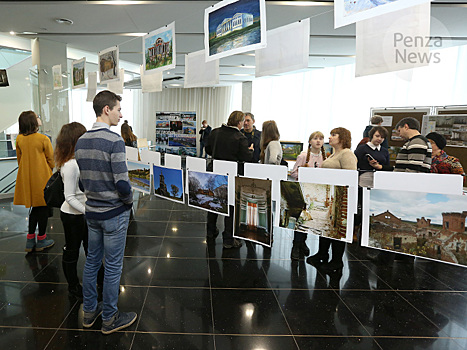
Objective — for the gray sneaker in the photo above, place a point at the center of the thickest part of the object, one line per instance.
(118, 321)
(90, 317)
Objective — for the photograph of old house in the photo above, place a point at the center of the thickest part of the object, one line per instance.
(314, 208)
(168, 183)
(78, 69)
(158, 48)
(208, 191)
(108, 64)
(253, 213)
(423, 224)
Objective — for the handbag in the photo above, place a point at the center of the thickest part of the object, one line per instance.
(53, 191)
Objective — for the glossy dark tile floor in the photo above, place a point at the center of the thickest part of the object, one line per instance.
(191, 295)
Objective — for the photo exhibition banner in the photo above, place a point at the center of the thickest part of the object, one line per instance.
(159, 49)
(351, 11)
(168, 183)
(287, 51)
(253, 210)
(319, 209)
(176, 133)
(234, 26)
(429, 225)
(57, 76)
(198, 72)
(396, 41)
(150, 82)
(139, 174)
(208, 191)
(78, 69)
(108, 64)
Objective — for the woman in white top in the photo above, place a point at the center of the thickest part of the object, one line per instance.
(313, 157)
(271, 150)
(72, 209)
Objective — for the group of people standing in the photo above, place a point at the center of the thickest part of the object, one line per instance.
(96, 210)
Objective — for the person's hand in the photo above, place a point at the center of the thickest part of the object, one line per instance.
(251, 147)
(375, 164)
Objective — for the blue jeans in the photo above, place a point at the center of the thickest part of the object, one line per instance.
(106, 238)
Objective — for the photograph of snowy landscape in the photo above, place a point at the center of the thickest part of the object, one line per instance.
(208, 191)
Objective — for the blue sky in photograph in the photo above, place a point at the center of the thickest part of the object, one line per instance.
(171, 177)
(204, 177)
(412, 205)
(134, 166)
(166, 36)
(243, 6)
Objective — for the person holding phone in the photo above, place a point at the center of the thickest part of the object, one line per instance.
(372, 156)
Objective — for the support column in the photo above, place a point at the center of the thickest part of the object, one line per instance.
(247, 94)
(53, 104)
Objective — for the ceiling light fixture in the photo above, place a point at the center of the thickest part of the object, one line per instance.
(12, 33)
(64, 21)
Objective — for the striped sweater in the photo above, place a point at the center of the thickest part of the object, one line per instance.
(100, 154)
(414, 156)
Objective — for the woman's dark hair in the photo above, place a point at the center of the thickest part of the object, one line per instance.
(345, 138)
(269, 133)
(66, 142)
(381, 129)
(127, 133)
(28, 123)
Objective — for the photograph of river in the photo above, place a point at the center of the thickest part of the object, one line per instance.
(140, 176)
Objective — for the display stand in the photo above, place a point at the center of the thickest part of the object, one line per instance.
(172, 161)
(150, 157)
(195, 164)
(131, 153)
(224, 167)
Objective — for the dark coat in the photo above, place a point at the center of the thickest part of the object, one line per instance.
(254, 138)
(366, 133)
(205, 134)
(228, 143)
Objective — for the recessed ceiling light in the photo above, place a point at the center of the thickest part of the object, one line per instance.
(64, 21)
(12, 33)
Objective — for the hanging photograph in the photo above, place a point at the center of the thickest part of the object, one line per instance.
(234, 26)
(253, 210)
(57, 76)
(3, 78)
(140, 176)
(78, 71)
(423, 224)
(108, 64)
(183, 140)
(168, 183)
(291, 149)
(351, 11)
(208, 191)
(314, 208)
(159, 49)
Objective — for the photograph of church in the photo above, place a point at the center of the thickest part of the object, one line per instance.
(168, 183)
(422, 224)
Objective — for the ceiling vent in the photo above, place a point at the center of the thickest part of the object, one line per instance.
(64, 21)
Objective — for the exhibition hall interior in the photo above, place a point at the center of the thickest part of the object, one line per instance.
(325, 247)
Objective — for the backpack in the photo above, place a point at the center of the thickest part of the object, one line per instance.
(53, 191)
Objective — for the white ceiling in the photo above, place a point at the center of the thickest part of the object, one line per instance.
(101, 24)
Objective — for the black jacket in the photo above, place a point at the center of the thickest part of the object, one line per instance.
(228, 143)
(254, 138)
(205, 134)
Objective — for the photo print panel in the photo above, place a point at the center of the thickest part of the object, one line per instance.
(429, 225)
(208, 191)
(57, 76)
(159, 49)
(319, 209)
(108, 64)
(168, 183)
(3, 78)
(291, 149)
(139, 174)
(253, 210)
(78, 73)
(234, 26)
(351, 11)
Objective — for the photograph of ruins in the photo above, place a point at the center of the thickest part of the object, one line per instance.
(423, 224)
(319, 209)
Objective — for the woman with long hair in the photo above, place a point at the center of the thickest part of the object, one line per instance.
(72, 209)
(342, 158)
(271, 150)
(128, 136)
(35, 164)
(313, 157)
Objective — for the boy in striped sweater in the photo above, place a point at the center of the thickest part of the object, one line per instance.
(100, 154)
(415, 155)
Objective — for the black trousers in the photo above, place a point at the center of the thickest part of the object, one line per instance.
(227, 235)
(38, 215)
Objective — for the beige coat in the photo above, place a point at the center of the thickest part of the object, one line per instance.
(35, 161)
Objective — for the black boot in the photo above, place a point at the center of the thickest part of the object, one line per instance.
(69, 264)
(322, 256)
(295, 253)
(304, 250)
